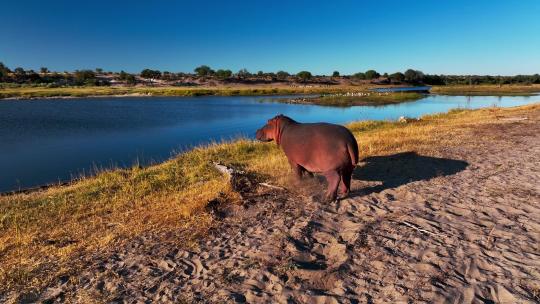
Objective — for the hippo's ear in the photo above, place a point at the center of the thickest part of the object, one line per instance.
(274, 118)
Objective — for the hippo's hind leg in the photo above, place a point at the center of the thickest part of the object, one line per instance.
(333, 178)
(345, 184)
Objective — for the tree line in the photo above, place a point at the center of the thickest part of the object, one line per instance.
(95, 77)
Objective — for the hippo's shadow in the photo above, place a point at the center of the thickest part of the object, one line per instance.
(402, 168)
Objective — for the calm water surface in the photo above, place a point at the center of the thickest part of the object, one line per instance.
(46, 141)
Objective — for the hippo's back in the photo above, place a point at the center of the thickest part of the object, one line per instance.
(320, 145)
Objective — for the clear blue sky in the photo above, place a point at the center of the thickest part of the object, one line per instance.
(450, 37)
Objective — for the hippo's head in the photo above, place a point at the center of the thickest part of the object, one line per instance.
(272, 129)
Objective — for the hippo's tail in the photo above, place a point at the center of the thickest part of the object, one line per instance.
(352, 147)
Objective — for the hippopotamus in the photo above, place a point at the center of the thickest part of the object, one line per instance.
(315, 148)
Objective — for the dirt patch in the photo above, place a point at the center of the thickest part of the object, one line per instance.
(461, 227)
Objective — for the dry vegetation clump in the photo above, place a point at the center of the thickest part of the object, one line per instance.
(44, 234)
(372, 99)
(487, 90)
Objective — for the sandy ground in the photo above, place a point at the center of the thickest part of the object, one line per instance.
(462, 226)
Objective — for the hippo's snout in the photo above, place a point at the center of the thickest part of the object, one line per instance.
(260, 135)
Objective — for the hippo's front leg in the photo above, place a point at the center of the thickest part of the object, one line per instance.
(333, 178)
(297, 169)
(306, 172)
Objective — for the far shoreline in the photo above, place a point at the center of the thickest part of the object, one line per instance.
(327, 95)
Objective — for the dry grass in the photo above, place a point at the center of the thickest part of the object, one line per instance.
(239, 90)
(487, 90)
(44, 92)
(42, 233)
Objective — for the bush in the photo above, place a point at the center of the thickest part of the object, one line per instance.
(414, 76)
(304, 75)
(84, 77)
(397, 77)
(243, 73)
(204, 70)
(359, 75)
(131, 80)
(223, 74)
(150, 74)
(282, 75)
(372, 74)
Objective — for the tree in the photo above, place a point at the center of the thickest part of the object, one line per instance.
(282, 75)
(204, 70)
(87, 77)
(223, 74)
(43, 70)
(99, 70)
(260, 74)
(335, 74)
(122, 75)
(4, 72)
(397, 77)
(130, 79)
(436, 80)
(33, 77)
(243, 73)
(359, 75)
(372, 74)
(19, 71)
(20, 74)
(304, 75)
(150, 74)
(167, 75)
(413, 76)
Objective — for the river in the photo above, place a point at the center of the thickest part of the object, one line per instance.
(53, 140)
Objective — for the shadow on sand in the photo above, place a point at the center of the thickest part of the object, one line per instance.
(402, 168)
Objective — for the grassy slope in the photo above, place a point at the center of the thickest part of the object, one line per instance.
(42, 234)
(485, 90)
(41, 92)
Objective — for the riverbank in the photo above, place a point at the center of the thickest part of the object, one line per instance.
(49, 236)
(488, 90)
(331, 95)
(77, 92)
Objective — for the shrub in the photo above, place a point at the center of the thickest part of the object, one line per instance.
(204, 70)
(359, 75)
(147, 73)
(282, 75)
(414, 76)
(223, 74)
(304, 75)
(372, 74)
